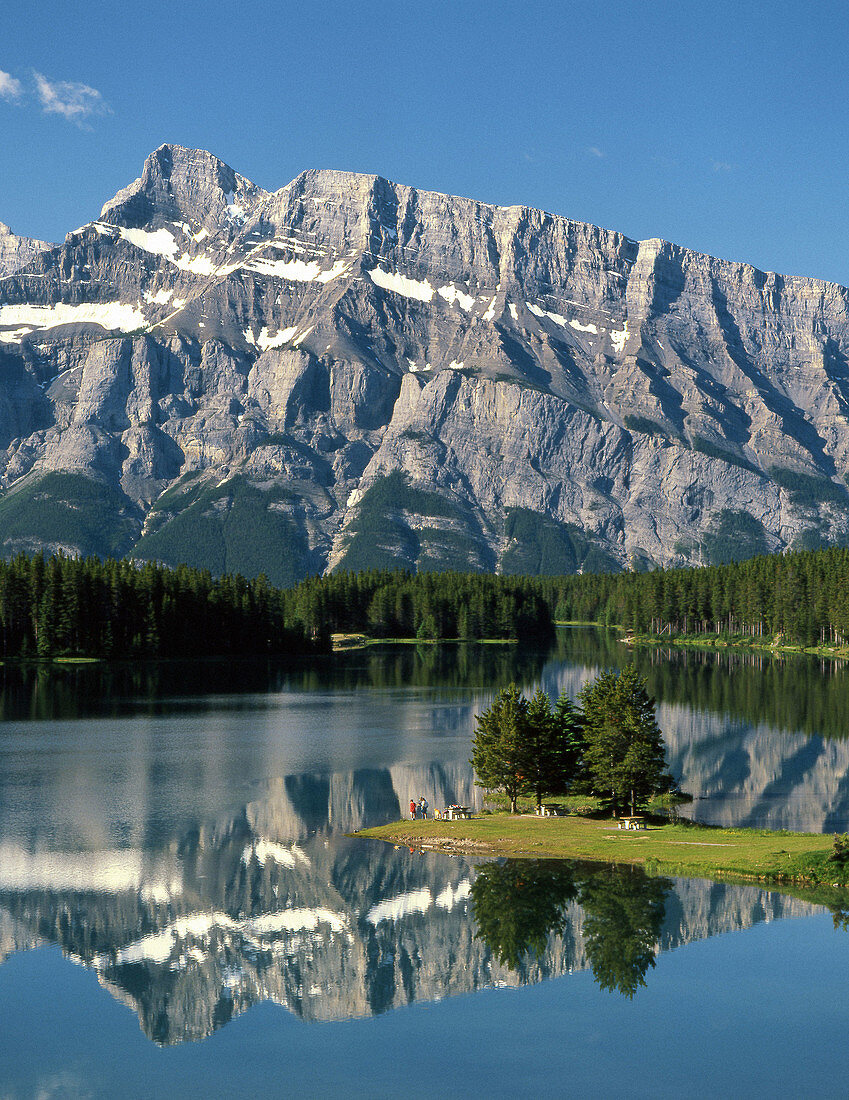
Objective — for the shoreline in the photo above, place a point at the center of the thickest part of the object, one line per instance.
(742, 643)
(756, 856)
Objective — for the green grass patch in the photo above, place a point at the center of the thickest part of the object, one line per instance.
(683, 849)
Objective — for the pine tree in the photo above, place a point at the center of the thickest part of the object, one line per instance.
(497, 749)
(624, 751)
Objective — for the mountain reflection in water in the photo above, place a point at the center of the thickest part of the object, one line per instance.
(179, 829)
(237, 912)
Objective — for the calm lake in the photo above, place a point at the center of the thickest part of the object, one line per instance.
(181, 913)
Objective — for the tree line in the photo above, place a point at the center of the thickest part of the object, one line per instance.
(105, 608)
(801, 596)
(609, 746)
(65, 606)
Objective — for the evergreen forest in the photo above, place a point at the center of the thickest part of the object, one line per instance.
(63, 606)
(801, 597)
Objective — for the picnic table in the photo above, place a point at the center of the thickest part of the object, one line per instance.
(632, 823)
(551, 811)
(450, 813)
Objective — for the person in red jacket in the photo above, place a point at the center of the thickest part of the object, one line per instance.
(413, 809)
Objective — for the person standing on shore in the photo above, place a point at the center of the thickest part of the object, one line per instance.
(412, 809)
(423, 804)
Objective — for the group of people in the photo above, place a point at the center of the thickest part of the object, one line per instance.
(418, 809)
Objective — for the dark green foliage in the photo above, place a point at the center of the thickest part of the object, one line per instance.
(71, 510)
(800, 597)
(499, 742)
(230, 528)
(708, 447)
(518, 904)
(553, 747)
(623, 915)
(394, 604)
(645, 426)
(381, 536)
(525, 747)
(624, 753)
(840, 851)
(538, 545)
(807, 488)
(733, 536)
(91, 608)
(441, 549)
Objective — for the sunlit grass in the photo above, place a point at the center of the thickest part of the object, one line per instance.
(682, 848)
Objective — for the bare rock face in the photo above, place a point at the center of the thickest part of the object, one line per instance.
(16, 252)
(350, 373)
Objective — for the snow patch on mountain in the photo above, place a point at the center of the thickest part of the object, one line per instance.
(112, 316)
(400, 284)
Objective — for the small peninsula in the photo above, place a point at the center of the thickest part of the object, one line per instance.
(804, 859)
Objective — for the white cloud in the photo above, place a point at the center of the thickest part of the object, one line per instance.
(594, 150)
(9, 87)
(721, 166)
(75, 102)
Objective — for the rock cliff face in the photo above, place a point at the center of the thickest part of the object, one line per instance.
(16, 252)
(348, 373)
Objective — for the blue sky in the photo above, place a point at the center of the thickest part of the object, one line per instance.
(720, 126)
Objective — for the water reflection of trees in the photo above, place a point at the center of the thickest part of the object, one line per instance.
(519, 904)
(42, 691)
(795, 694)
(623, 914)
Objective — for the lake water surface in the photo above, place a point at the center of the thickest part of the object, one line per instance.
(181, 913)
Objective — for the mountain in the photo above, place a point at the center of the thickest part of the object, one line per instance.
(17, 252)
(349, 373)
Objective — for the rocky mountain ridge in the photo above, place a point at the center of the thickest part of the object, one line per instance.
(349, 373)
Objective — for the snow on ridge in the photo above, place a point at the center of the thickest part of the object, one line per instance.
(619, 338)
(400, 284)
(559, 319)
(297, 271)
(159, 298)
(160, 242)
(451, 294)
(197, 265)
(113, 316)
(264, 341)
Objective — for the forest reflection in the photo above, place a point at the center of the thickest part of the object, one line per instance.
(520, 904)
(795, 693)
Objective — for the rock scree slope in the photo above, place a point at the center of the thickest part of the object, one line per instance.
(349, 373)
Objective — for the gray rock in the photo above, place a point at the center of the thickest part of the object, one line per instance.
(417, 377)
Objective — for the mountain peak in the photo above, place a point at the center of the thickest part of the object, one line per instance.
(181, 184)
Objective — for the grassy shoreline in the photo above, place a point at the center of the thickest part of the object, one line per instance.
(736, 642)
(695, 851)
